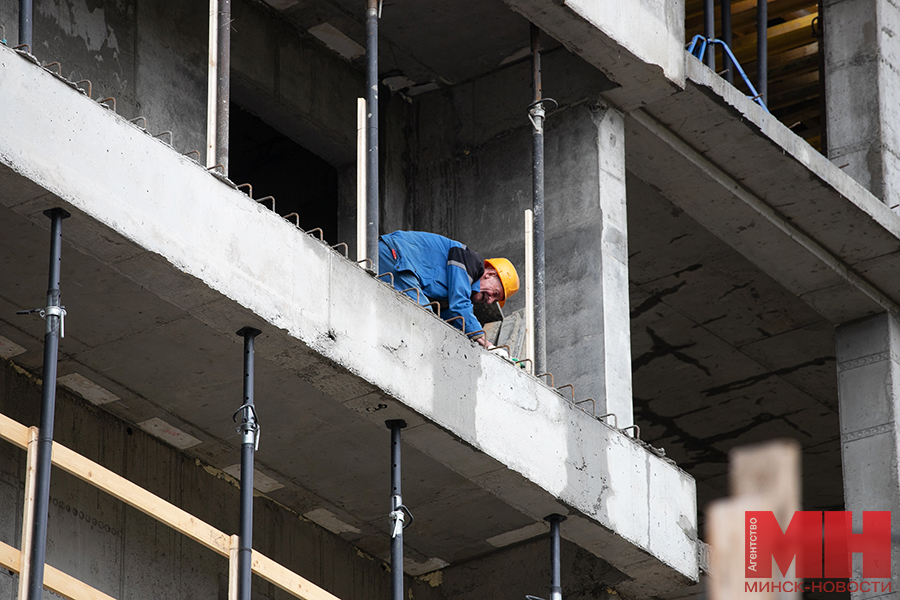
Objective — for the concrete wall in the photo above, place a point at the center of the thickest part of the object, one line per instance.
(472, 181)
(127, 554)
(151, 55)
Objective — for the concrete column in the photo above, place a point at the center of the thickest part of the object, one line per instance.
(862, 78)
(868, 366)
(589, 334)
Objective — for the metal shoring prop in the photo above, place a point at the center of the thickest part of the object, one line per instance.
(223, 84)
(249, 430)
(372, 132)
(762, 50)
(398, 511)
(26, 20)
(555, 586)
(536, 114)
(726, 37)
(709, 30)
(54, 315)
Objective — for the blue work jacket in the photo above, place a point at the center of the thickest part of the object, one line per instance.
(447, 271)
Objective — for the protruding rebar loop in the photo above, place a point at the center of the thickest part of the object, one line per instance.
(59, 67)
(593, 405)
(450, 320)
(23, 46)
(290, 216)
(272, 198)
(171, 137)
(321, 233)
(568, 385)
(383, 274)
(508, 349)
(144, 120)
(527, 360)
(615, 419)
(418, 292)
(637, 431)
(346, 251)
(110, 99)
(214, 167)
(437, 307)
(90, 87)
(474, 333)
(250, 193)
(197, 152)
(539, 375)
(368, 260)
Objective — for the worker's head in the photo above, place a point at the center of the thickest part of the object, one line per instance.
(499, 282)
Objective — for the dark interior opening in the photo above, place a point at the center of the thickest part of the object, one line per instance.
(275, 165)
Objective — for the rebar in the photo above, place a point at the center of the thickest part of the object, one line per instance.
(214, 167)
(59, 69)
(110, 99)
(346, 251)
(615, 419)
(436, 305)
(450, 320)
(527, 360)
(250, 192)
(272, 198)
(418, 297)
(293, 214)
(593, 405)
(387, 273)
(321, 233)
(368, 260)
(474, 333)
(23, 46)
(544, 375)
(508, 350)
(90, 87)
(171, 137)
(197, 152)
(568, 385)
(142, 119)
(637, 431)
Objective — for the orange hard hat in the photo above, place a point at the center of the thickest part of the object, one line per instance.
(508, 277)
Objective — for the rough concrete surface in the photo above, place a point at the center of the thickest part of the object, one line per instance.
(647, 503)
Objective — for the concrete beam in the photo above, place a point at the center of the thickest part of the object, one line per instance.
(764, 191)
(639, 45)
(331, 324)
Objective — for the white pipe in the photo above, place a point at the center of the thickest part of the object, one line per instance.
(529, 286)
(361, 179)
(211, 83)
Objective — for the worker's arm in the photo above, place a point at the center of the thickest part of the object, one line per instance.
(459, 298)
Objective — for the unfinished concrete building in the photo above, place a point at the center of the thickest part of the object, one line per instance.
(716, 275)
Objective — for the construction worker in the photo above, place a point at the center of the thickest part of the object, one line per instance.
(448, 272)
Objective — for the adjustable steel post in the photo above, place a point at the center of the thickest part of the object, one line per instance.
(223, 85)
(762, 50)
(726, 37)
(709, 30)
(555, 586)
(54, 315)
(26, 17)
(536, 114)
(249, 430)
(372, 132)
(398, 511)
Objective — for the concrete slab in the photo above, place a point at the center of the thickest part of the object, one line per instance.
(330, 326)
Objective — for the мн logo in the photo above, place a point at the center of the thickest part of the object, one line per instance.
(823, 544)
